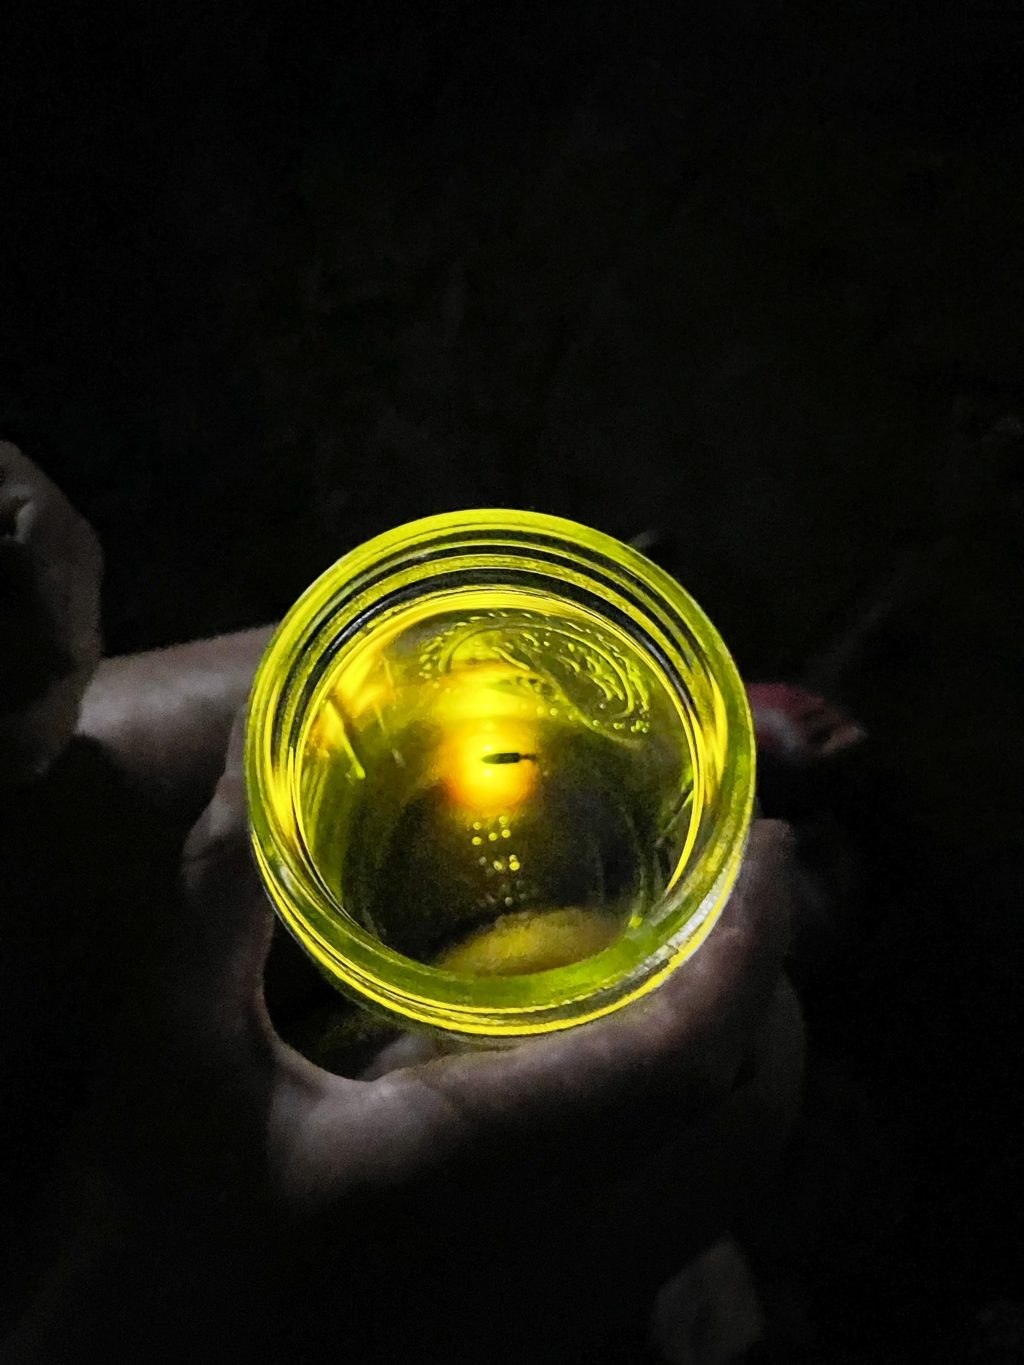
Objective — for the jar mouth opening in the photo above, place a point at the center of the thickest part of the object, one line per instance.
(491, 551)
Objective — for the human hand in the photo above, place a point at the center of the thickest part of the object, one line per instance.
(516, 1205)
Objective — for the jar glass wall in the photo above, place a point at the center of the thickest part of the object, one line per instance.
(500, 774)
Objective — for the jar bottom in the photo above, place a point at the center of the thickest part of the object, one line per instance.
(499, 792)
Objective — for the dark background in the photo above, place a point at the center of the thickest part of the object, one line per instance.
(749, 275)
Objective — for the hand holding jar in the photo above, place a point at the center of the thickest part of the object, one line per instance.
(223, 1196)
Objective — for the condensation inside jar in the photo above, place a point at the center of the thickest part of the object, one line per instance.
(495, 781)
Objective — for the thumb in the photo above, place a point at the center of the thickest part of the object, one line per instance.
(683, 1045)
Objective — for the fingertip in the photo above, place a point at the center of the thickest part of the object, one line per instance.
(733, 971)
(771, 854)
(777, 834)
(235, 759)
(223, 826)
(225, 915)
(762, 899)
(223, 892)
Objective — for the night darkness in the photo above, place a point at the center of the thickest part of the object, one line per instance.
(749, 277)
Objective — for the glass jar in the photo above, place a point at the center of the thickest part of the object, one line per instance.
(500, 772)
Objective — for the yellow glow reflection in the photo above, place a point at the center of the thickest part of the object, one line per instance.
(490, 766)
(488, 757)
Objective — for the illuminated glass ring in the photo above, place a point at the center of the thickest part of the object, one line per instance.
(500, 774)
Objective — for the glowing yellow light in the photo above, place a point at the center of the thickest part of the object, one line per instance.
(532, 941)
(490, 766)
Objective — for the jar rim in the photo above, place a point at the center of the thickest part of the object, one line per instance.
(350, 595)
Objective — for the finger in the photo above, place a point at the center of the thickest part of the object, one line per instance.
(50, 571)
(164, 716)
(410, 1049)
(50, 564)
(688, 1038)
(797, 727)
(221, 937)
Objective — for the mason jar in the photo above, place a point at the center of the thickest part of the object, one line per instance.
(500, 774)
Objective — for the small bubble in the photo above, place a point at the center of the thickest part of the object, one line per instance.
(477, 840)
(553, 711)
(493, 837)
(510, 901)
(482, 862)
(506, 834)
(514, 864)
(502, 819)
(477, 824)
(499, 864)
(617, 725)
